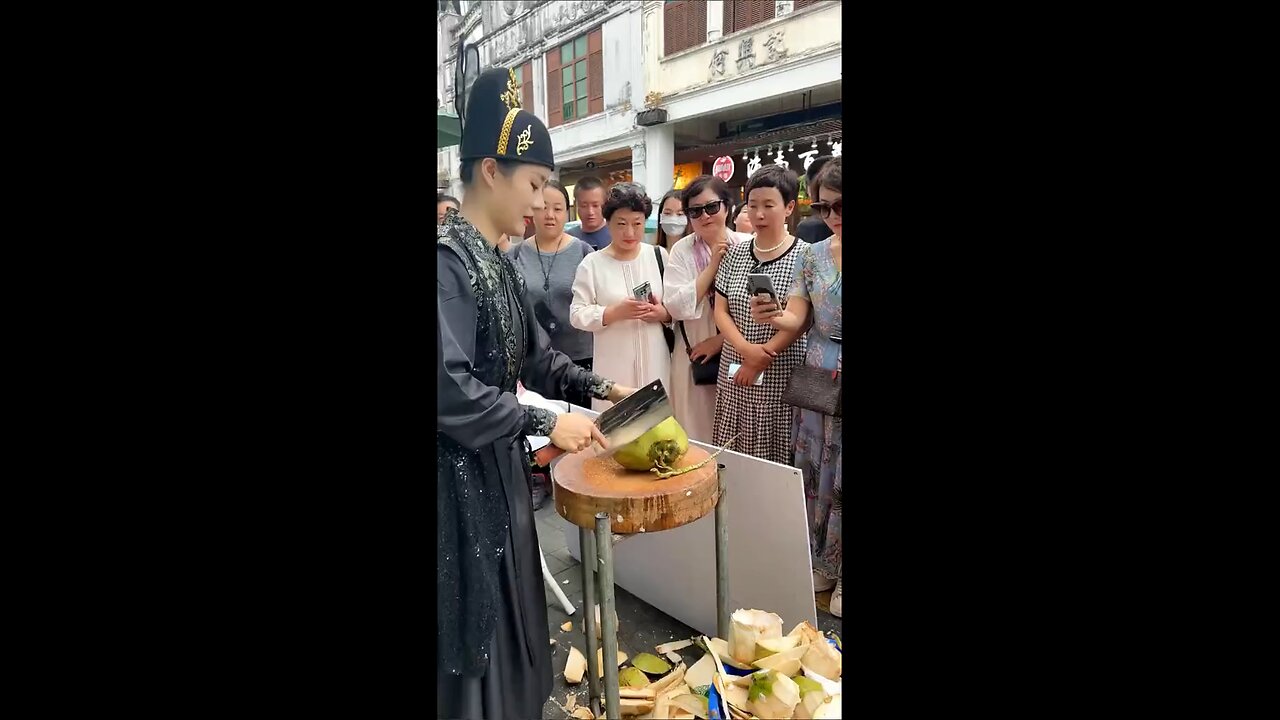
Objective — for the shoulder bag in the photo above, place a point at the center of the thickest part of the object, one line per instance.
(703, 374)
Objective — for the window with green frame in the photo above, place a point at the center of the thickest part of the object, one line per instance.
(573, 78)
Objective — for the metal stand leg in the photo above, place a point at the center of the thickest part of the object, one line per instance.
(587, 544)
(722, 559)
(609, 621)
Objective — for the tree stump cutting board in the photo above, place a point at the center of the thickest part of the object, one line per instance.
(636, 501)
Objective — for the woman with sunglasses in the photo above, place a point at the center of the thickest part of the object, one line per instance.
(627, 330)
(749, 407)
(815, 304)
(694, 262)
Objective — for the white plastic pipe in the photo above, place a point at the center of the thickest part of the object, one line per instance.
(555, 588)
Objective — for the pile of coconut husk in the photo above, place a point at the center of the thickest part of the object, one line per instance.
(758, 672)
(644, 680)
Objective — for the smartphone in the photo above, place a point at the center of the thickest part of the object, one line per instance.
(762, 285)
(733, 370)
(642, 291)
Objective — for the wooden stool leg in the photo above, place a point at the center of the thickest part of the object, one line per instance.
(608, 618)
(722, 559)
(587, 546)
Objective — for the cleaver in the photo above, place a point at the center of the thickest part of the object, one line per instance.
(625, 421)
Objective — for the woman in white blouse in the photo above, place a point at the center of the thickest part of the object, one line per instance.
(630, 347)
(690, 293)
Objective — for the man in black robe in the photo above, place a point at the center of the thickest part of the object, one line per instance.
(494, 652)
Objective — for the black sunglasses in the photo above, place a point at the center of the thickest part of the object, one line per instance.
(824, 209)
(710, 208)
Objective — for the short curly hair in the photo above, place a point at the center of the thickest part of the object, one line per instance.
(774, 176)
(627, 196)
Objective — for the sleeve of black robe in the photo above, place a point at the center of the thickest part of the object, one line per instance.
(470, 412)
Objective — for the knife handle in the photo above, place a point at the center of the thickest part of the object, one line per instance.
(543, 457)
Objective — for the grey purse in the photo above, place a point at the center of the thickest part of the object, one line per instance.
(816, 389)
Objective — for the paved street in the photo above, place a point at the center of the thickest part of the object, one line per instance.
(640, 625)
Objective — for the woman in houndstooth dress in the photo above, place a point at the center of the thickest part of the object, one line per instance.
(755, 414)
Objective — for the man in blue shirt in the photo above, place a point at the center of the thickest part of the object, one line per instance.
(588, 197)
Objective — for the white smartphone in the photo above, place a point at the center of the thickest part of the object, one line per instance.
(642, 291)
(733, 370)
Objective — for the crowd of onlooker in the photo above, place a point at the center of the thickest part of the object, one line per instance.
(739, 317)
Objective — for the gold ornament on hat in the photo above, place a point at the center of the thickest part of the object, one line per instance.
(524, 140)
(506, 130)
(511, 98)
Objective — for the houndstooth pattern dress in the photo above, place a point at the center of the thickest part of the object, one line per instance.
(756, 414)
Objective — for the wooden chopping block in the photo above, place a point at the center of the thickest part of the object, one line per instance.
(636, 501)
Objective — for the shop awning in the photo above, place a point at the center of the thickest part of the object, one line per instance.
(448, 130)
(831, 127)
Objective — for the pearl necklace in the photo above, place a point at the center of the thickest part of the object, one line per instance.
(757, 247)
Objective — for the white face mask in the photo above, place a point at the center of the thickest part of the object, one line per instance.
(674, 224)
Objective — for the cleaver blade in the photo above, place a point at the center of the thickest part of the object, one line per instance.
(624, 422)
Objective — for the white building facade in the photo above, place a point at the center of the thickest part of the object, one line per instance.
(717, 77)
(580, 65)
(730, 78)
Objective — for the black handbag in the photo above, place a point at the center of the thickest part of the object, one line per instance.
(816, 389)
(703, 374)
(667, 332)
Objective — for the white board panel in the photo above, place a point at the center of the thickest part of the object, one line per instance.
(769, 563)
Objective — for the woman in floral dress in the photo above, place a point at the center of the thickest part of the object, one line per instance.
(818, 288)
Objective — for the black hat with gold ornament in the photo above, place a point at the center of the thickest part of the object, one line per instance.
(495, 126)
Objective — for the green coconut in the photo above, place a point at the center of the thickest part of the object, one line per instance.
(657, 449)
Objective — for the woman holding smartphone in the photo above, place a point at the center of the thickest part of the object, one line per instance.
(815, 304)
(627, 331)
(690, 296)
(749, 405)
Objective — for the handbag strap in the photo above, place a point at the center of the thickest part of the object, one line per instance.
(657, 253)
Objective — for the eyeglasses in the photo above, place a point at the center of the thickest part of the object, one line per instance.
(710, 208)
(824, 209)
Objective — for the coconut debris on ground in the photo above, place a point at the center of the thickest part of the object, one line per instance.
(758, 672)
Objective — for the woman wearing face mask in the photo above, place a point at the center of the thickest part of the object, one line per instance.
(815, 298)
(627, 331)
(690, 298)
(672, 224)
(755, 414)
(548, 263)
